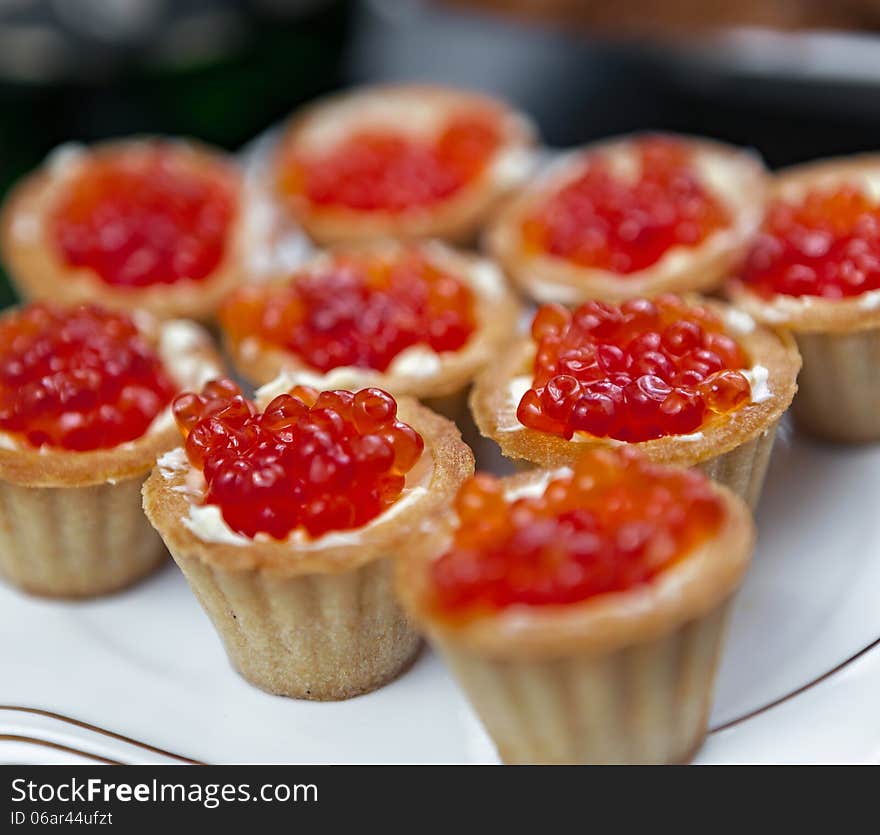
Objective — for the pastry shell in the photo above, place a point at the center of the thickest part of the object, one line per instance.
(39, 272)
(406, 107)
(624, 677)
(734, 450)
(451, 372)
(839, 339)
(71, 524)
(312, 620)
(739, 183)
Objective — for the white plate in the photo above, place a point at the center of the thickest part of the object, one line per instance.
(141, 677)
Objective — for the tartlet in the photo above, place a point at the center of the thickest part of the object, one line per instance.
(583, 230)
(433, 364)
(571, 650)
(309, 610)
(731, 442)
(402, 161)
(70, 232)
(825, 290)
(71, 524)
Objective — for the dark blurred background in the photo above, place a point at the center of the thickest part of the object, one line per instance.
(795, 79)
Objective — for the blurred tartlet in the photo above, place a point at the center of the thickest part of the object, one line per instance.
(688, 381)
(85, 409)
(418, 319)
(815, 270)
(286, 522)
(149, 223)
(401, 161)
(628, 217)
(583, 610)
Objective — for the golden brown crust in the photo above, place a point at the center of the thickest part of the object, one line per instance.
(456, 220)
(689, 589)
(39, 273)
(28, 466)
(495, 413)
(452, 463)
(813, 314)
(696, 269)
(497, 311)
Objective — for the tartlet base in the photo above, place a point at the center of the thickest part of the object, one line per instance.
(76, 542)
(646, 704)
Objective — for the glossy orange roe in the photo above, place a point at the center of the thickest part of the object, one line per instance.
(323, 462)
(392, 171)
(137, 218)
(359, 310)
(79, 378)
(603, 221)
(632, 372)
(611, 525)
(828, 245)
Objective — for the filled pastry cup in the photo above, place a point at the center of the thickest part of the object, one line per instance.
(276, 334)
(569, 657)
(145, 223)
(309, 613)
(402, 161)
(626, 246)
(731, 443)
(71, 524)
(835, 320)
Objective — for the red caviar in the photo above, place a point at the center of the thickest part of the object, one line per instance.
(827, 244)
(632, 372)
(359, 310)
(607, 222)
(322, 461)
(612, 524)
(79, 378)
(392, 171)
(142, 217)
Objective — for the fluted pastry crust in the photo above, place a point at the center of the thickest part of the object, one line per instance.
(310, 621)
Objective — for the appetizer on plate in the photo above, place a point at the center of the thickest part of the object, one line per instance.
(417, 319)
(815, 270)
(583, 609)
(689, 382)
(403, 161)
(286, 521)
(634, 216)
(85, 409)
(153, 224)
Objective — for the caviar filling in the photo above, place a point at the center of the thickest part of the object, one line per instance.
(827, 244)
(323, 462)
(383, 169)
(79, 378)
(356, 310)
(634, 372)
(147, 216)
(605, 220)
(611, 524)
